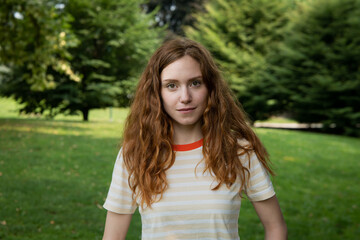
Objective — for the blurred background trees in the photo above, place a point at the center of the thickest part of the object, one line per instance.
(107, 44)
(174, 13)
(34, 36)
(316, 68)
(240, 34)
(298, 57)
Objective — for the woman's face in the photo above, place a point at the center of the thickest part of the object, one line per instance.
(183, 92)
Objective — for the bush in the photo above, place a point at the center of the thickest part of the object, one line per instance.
(316, 69)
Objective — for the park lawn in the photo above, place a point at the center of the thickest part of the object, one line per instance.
(55, 174)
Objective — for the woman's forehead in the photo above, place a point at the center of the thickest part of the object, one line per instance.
(185, 67)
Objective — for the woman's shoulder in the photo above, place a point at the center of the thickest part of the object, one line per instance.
(245, 150)
(243, 141)
(244, 144)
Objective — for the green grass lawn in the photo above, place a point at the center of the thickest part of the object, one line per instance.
(55, 174)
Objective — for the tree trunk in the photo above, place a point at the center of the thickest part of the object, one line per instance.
(85, 113)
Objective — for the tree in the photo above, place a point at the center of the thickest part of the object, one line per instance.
(240, 34)
(114, 40)
(174, 13)
(317, 66)
(34, 36)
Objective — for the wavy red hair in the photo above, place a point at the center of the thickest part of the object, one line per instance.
(148, 132)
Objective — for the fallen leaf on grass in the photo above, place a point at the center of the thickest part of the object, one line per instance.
(0, 174)
(289, 158)
(3, 222)
(52, 222)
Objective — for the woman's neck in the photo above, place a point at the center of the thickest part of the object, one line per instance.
(187, 134)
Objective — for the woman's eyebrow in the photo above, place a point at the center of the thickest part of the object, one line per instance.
(195, 78)
(169, 80)
(175, 80)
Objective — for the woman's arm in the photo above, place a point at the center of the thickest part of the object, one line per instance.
(116, 226)
(272, 219)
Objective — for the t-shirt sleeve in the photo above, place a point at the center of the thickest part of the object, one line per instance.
(259, 186)
(119, 198)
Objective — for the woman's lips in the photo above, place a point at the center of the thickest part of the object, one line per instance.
(186, 110)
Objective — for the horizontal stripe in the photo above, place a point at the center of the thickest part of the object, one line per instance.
(220, 229)
(263, 192)
(120, 201)
(263, 197)
(255, 168)
(174, 213)
(260, 184)
(204, 207)
(194, 203)
(119, 205)
(188, 157)
(116, 187)
(119, 179)
(120, 196)
(256, 176)
(118, 210)
(192, 186)
(188, 166)
(214, 238)
(197, 193)
(191, 231)
(188, 175)
(188, 184)
(195, 221)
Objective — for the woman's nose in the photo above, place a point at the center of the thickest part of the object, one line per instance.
(185, 96)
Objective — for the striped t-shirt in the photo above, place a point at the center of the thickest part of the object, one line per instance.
(189, 208)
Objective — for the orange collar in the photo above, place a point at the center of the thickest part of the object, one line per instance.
(188, 147)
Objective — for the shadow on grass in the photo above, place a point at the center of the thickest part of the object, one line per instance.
(43, 122)
(53, 186)
(94, 129)
(328, 131)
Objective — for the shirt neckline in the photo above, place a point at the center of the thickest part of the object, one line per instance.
(188, 147)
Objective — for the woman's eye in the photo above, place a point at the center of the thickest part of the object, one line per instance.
(196, 83)
(171, 86)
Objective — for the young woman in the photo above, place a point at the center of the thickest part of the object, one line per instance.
(188, 154)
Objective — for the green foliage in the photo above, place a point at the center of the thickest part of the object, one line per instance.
(240, 34)
(34, 36)
(316, 69)
(114, 40)
(174, 14)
